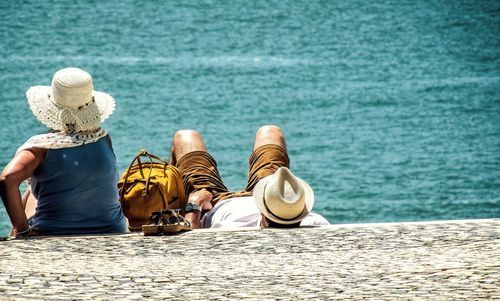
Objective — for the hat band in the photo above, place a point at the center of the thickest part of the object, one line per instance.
(274, 215)
(92, 99)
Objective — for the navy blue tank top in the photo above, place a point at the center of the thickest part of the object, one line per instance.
(76, 191)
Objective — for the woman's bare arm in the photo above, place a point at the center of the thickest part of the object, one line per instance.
(20, 168)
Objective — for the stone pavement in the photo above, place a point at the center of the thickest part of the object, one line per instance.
(453, 260)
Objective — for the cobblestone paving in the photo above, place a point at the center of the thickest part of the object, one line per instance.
(419, 261)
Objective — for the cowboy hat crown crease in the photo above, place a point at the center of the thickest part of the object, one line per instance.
(259, 196)
(283, 195)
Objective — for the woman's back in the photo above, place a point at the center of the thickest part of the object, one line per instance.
(76, 191)
(73, 168)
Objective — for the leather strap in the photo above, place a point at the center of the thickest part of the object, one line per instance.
(142, 153)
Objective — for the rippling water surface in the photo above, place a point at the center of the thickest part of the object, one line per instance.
(391, 109)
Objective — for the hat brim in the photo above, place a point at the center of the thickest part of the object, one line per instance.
(48, 113)
(258, 196)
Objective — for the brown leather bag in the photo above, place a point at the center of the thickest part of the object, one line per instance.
(149, 186)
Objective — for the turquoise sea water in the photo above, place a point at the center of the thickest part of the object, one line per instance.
(391, 109)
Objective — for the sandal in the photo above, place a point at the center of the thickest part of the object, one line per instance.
(173, 222)
(167, 221)
(155, 227)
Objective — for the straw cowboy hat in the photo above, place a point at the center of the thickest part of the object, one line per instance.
(70, 104)
(283, 197)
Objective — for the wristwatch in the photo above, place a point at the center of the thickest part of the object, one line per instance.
(190, 207)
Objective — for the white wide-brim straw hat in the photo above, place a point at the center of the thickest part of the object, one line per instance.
(70, 104)
(283, 197)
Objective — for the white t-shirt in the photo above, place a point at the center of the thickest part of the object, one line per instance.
(242, 212)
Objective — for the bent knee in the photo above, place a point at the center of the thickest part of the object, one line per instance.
(270, 131)
(186, 135)
(269, 134)
(186, 141)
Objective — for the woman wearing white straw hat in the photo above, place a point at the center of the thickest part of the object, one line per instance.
(273, 197)
(72, 169)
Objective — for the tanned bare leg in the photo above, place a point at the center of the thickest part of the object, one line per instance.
(186, 141)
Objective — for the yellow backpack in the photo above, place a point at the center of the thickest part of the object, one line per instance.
(149, 186)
